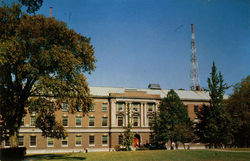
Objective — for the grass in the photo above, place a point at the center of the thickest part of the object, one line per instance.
(238, 149)
(158, 155)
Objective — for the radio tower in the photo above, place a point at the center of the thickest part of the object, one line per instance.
(195, 81)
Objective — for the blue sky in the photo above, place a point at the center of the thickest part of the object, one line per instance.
(138, 42)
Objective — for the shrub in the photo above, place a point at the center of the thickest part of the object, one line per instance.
(12, 154)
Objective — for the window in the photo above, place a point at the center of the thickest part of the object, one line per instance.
(135, 121)
(64, 107)
(120, 107)
(91, 140)
(79, 108)
(150, 107)
(22, 122)
(92, 121)
(65, 120)
(65, 141)
(32, 140)
(186, 106)
(104, 107)
(104, 140)
(78, 140)
(92, 108)
(150, 121)
(78, 121)
(20, 140)
(120, 121)
(50, 142)
(135, 107)
(120, 139)
(196, 120)
(7, 142)
(32, 120)
(196, 109)
(104, 121)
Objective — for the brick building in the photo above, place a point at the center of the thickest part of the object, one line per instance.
(101, 128)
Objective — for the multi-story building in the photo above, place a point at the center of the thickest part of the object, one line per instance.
(102, 128)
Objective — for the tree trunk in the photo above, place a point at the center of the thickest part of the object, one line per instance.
(14, 140)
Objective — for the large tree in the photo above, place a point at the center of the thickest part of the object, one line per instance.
(172, 121)
(214, 121)
(42, 64)
(238, 106)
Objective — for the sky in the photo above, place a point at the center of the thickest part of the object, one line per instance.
(138, 42)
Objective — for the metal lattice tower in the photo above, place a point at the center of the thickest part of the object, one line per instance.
(195, 80)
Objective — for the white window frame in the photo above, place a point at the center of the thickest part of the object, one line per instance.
(107, 140)
(135, 106)
(118, 121)
(66, 139)
(49, 140)
(75, 140)
(104, 106)
(78, 117)
(67, 120)
(63, 110)
(122, 105)
(33, 121)
(89, 140)
(89, 121)
(92, 108)
(137, 121)
(106, 121)
(18, 141)
(30, 142)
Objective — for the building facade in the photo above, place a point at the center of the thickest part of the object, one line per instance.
(102, 128)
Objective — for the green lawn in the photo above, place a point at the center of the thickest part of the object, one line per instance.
(180, 155)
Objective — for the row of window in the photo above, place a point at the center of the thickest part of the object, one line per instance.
(135, 107)
(120, 107)
(135, 121)
(64, 141)
(78, 121)
(92, 109)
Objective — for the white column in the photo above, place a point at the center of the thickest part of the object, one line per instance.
(126, 114)
(156, 107)
(130, 112)
(113, 114)
(144, 110)
(141, 114)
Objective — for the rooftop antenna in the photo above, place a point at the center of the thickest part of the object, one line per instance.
(195, 80)
(50, 11)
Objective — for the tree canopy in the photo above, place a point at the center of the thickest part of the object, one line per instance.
(172, 122)
(42, 64)
(238, 106)
(32, 5)
(214, 121)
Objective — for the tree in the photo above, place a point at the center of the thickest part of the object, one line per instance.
(42, 65)
(238, 106)
(128, 135)
(32, 5)
(214, 121)
(172, 122)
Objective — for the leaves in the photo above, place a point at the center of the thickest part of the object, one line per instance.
(214, 126)
(172, 120)
(40, 59)
(238, 106)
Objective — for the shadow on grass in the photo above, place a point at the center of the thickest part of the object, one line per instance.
(61, 157)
